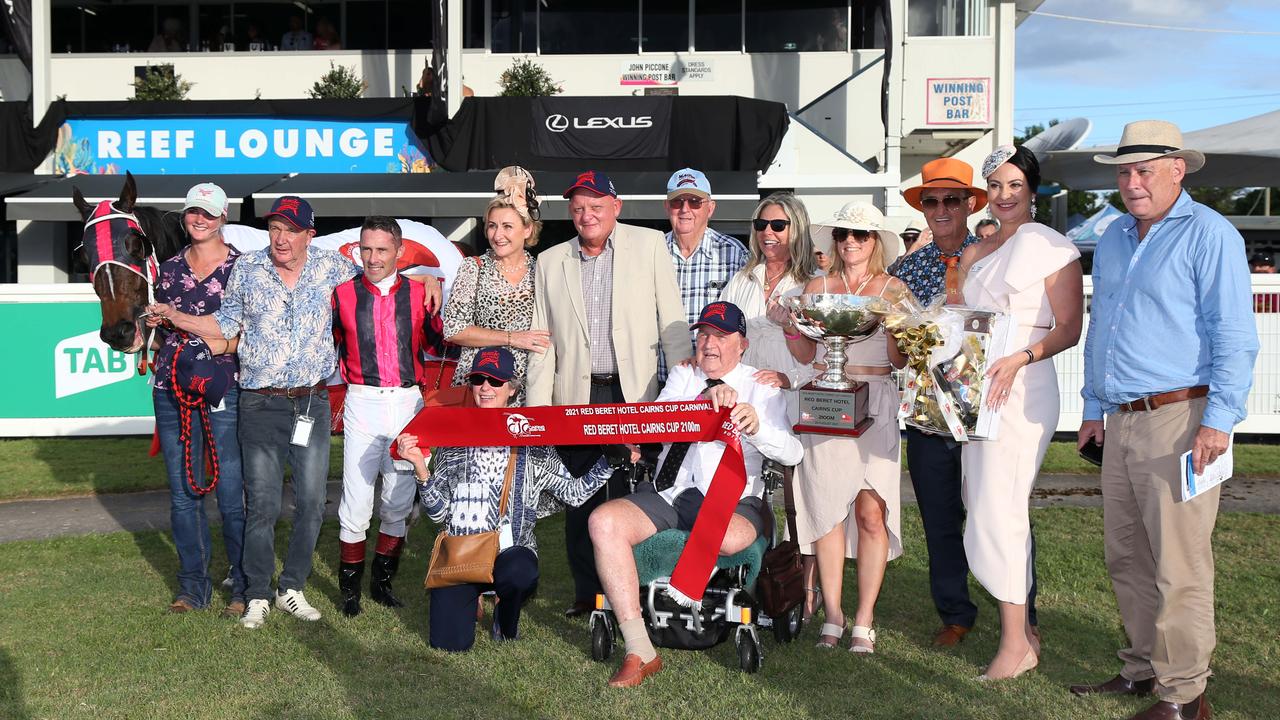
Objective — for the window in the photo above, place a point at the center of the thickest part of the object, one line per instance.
(473, 24)
(366, 25)
(946, 17)
(409, 24)
(515, 26)
(665, 25)
(797, 25)
(589, 27)
(717, 25)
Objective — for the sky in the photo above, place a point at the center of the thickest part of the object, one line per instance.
(1112, 75)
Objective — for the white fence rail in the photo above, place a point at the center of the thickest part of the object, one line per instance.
(1264, 397)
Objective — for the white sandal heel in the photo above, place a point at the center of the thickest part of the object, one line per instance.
(829, 630)
(862, 633)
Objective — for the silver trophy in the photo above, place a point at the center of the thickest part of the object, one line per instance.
(835, 320)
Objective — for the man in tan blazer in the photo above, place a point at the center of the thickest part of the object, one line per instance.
(609, 298)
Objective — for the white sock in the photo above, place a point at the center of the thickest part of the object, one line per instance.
(636, 638)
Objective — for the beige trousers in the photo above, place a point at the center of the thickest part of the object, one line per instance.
(1158, 549)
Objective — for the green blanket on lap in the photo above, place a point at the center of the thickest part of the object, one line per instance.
(657, 556)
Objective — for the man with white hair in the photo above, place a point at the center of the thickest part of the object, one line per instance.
(1169, 274)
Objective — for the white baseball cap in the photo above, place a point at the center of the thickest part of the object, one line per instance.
(208, 197)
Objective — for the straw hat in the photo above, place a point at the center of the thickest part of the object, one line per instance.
(1150, 139)
(946, 173)
(857, 216)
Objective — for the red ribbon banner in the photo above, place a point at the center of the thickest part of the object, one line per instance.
(681, 421)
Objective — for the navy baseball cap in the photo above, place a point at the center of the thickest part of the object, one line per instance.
(723, 316)
(198, 374)
(494, 362)
(294, 210)
(595, 181)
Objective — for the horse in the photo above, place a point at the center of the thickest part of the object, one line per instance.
(124, 245)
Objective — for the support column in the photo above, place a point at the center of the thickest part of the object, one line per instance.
(1006, 26)
(42, 254)
(41, 39)
(453, 56)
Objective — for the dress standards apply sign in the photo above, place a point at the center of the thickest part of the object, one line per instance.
(958, 101)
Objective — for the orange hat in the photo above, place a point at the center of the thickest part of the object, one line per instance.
(946, 173)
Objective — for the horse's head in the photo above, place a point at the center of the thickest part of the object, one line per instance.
(121, 265)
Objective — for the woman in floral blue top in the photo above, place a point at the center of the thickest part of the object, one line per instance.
(193, 282)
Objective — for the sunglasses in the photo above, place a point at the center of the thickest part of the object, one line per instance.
(694, 203)
(478, 380)
(776, 225)
(950, 202)
(842, 234)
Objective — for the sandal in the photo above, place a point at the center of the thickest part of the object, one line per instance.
(862, 633)
(809, 611)
(832, 631)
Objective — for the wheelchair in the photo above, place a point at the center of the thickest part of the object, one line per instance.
(729, 604)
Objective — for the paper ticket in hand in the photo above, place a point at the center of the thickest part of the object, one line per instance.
(1215, 473)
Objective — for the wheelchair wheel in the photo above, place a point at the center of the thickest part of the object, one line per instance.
(601, 639)
(749, 658)
(787, 627)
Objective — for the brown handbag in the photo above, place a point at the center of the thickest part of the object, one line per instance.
(463, 559)
(781, 582)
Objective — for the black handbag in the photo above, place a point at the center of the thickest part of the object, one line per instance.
(781, 584)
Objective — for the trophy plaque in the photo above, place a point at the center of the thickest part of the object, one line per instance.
(833, 404)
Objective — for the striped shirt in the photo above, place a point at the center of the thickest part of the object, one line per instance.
(702, 275)
(380, 336)
(597, 298)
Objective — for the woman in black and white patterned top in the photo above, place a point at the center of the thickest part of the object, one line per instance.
(463, 493)
(492, 298)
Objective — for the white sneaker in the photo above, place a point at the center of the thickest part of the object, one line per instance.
(255, 615)
(293, 602)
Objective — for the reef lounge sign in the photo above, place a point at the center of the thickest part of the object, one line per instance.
(168, 145)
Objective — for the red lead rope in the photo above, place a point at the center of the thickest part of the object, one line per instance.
(187, 401)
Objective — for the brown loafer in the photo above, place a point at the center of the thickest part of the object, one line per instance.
(234, 609)
(1197, 709)
(633, 672)
(1118, 685)
(179, 606)
(950, 635)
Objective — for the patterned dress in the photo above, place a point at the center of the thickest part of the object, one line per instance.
(482, 297)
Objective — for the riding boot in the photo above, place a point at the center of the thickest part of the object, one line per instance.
(383, 570)
(349, 576)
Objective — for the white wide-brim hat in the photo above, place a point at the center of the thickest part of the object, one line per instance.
(1151, 139)
(857, 216)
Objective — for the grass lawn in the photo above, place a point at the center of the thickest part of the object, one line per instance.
(50, 467)
(83, 635)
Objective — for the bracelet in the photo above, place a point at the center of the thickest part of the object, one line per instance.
(1031, 357)
(508, 338)
(789, 336)
(421, 480)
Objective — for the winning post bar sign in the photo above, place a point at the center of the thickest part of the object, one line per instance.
(223, 145)
(615, 127)
(958, 101)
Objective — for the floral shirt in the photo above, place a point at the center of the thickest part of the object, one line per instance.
(286, 336)
(179, 286)
(924, 271)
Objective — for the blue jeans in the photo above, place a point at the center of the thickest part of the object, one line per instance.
(186, 509)
(266, 426)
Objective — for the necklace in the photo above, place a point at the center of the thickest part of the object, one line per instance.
(505, 268)
(768, 282)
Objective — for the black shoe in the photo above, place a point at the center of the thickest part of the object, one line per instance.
(1118, 685)
(349, 576)
(578, 609)
(383, 570)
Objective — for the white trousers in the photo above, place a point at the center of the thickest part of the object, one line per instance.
(371, 420)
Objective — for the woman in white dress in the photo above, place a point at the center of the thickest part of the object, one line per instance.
(781, 262)
(1033, 273)
(848, 489)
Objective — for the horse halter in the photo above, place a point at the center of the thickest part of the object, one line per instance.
(104, 238)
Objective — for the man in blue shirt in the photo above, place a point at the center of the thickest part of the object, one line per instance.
(705, 259)
(947, 197)
(1168, 361)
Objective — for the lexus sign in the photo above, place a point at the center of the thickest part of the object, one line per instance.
(623, 127)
